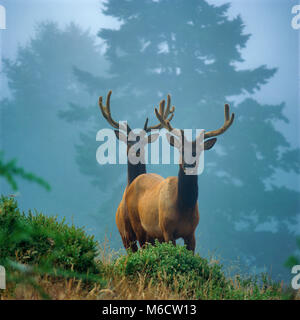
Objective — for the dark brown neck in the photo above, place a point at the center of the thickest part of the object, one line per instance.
(187, 190)
(134, 170)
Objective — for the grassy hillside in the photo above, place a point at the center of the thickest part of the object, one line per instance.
(48, 259)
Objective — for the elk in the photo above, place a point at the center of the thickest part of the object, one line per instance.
(167, 209)
(133, 170)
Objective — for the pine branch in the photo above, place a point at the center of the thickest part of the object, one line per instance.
(9, 170)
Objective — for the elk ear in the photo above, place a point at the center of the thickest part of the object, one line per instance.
(153, 137)
(174, 142)
(121, 136)
(208, 144)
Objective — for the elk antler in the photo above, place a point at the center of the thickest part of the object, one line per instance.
(162, 115)
(107, 114)
(227, 123)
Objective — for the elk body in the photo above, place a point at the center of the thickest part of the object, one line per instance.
(126, 231)
(167, 209)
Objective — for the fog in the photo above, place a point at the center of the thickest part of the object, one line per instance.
(58, 57)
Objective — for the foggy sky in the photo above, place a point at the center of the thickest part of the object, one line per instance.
(268, 21)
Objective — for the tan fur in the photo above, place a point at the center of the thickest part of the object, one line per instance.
(153, 211)
(123, 223)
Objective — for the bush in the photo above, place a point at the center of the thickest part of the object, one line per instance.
(33, 246)
(39, 240)
(175, 265)
(190, 274)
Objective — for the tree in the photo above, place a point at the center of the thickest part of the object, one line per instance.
(190, 49)
(293, 259)
(9, 170)
(42, 85)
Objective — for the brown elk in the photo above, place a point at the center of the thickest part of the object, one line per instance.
(133, 170)
(167, 209)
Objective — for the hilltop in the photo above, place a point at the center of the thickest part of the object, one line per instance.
(48, 259)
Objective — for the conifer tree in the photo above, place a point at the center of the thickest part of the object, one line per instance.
(190, 49)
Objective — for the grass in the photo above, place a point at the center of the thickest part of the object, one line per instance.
(36, 239)
(47, 259)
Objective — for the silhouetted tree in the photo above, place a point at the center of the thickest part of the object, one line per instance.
(42, 84)
(191, 49)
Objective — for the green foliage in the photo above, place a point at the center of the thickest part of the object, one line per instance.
(181, 270)
(33, 244)
(42, 241)
(169, 260)
(9, 170)
(293, 260)
(258, 287)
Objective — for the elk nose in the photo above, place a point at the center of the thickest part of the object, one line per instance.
(187, 165)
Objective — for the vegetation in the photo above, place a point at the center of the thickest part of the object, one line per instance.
(45, 258)
(40, 240)
(9, 170)
(293, 259)
(34, 244)
(41, 84)
(190, 275)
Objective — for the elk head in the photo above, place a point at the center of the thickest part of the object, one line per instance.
(124, 132)
(190, 151)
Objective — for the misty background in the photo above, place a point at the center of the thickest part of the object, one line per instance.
(59, 56)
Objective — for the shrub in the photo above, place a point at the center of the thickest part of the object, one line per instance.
(39, 240)
(176, 266)
(34, 245)
(191, 275)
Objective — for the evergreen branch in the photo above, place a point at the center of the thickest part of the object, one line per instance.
(9, 170)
